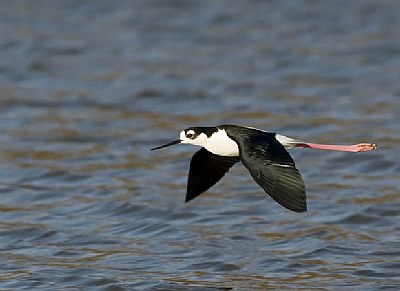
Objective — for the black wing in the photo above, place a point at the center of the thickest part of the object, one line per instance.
(272, 168)
(206, 169)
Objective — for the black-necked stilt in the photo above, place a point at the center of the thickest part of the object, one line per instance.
(263, 153)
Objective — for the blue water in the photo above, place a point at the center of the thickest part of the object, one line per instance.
(87, 88)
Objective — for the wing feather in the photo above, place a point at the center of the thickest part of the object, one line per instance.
(271, 167)
(206, 169)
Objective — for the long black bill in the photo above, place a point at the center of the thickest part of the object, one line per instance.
(167, 145)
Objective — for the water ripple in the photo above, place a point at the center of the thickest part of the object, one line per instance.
(88, 89)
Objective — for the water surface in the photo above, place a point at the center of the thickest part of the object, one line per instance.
(87, 88)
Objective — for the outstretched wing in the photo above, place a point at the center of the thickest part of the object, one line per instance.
(272, 168)
(206, 169)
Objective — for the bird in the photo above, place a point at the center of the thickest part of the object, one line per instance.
(263, 153)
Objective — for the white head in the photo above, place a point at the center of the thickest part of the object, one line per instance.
(214, 139)
(192, 136)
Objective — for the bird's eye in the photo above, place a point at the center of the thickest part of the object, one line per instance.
(190, 134)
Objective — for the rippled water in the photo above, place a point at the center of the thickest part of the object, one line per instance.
(86, 88)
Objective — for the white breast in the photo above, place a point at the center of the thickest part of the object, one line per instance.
(221, 144)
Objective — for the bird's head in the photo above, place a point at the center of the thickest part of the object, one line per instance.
(191, 135)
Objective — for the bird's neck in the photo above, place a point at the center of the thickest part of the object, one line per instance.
(221, 144)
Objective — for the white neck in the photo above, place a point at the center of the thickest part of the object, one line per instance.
(221, 144)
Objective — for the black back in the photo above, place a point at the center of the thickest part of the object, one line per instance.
(270, 165)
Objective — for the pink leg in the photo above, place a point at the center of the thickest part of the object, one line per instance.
(361, 147)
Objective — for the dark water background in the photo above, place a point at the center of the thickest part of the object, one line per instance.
(87, 87)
